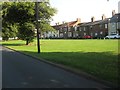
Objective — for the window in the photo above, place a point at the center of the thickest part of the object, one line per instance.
(117, 25)
(61, 29)
(91, 34)
(69, 34)
(84, 34)
(75, 28)
(100, 25)
(96, 34)
(69, 28)
(84, 29)
(101, 32)
(106, 26)
(61, 34)
(113, 25)
(90, 27)
(80, 28)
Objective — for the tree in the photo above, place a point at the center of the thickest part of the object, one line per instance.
(23, 15)
(45, 16)
(9, 31)
(5, 33)
(20, 12)
(26, 32)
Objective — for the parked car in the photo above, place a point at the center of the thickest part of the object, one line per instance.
(114, 36)
(87, 37)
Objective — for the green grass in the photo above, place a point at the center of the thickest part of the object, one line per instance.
(97, 57)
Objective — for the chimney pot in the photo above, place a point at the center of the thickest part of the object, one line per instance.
(93, 19)
(113, 12)
(63, 22)
(56, 23)
(103, 16)
(78, 20)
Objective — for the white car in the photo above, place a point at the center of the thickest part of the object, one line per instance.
(115, 36)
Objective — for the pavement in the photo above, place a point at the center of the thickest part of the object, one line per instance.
(21, 71)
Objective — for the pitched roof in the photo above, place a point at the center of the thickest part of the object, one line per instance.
(94, 23)
(115, 18)
(72, 23)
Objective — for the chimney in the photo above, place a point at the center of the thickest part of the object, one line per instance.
(63, 22)
(78, 20)
(56, 23)
(93, 19)
(113, 12)
(103, 17)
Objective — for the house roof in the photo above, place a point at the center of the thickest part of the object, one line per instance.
(72, 23)
(94, 23)
(60, 25)
(115, 18)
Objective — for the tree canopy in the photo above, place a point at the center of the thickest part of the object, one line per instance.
(18, 15)
(26, 32)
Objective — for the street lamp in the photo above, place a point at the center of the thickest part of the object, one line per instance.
(37, 26)
(37, 22)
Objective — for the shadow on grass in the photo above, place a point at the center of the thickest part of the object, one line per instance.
(6, 44)
(103, 65)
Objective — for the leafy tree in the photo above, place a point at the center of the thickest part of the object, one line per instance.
(9, 31)
(20, 12)
(5, 33)
(23, 15)
(26, 32)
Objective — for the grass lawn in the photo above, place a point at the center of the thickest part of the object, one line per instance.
(97, 57)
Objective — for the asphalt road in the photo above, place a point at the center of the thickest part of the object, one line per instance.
(21, 71)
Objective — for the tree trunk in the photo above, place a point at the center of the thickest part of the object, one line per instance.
(27, 42)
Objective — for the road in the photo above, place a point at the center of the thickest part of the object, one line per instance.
(21, 71)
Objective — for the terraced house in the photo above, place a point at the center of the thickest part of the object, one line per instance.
(68, 29)
(114, 24)
(95, 28)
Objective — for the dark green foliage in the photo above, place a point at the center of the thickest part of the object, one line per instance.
(9, 31)
(16, 16)
(21, 12)
(26, 32)
(5, 33)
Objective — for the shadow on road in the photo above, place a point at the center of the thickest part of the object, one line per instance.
(104, 65)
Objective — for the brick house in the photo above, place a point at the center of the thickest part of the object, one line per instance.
(96, 29)
(83, 29)
(67, 29)
(61, 29)
(114, 24)
(99, 29)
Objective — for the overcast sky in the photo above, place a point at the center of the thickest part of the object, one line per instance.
(69, 10)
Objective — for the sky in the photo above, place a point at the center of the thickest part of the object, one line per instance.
(70, 10)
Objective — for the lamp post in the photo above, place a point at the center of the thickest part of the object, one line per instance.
(37, 26)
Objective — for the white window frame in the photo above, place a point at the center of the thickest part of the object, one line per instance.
(106, 26)
(84, 34)
(96, 34)
(101, 32)
(84, 29)
(91, 27)
(91, 34)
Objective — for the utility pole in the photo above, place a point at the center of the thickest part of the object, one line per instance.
(37, 26)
